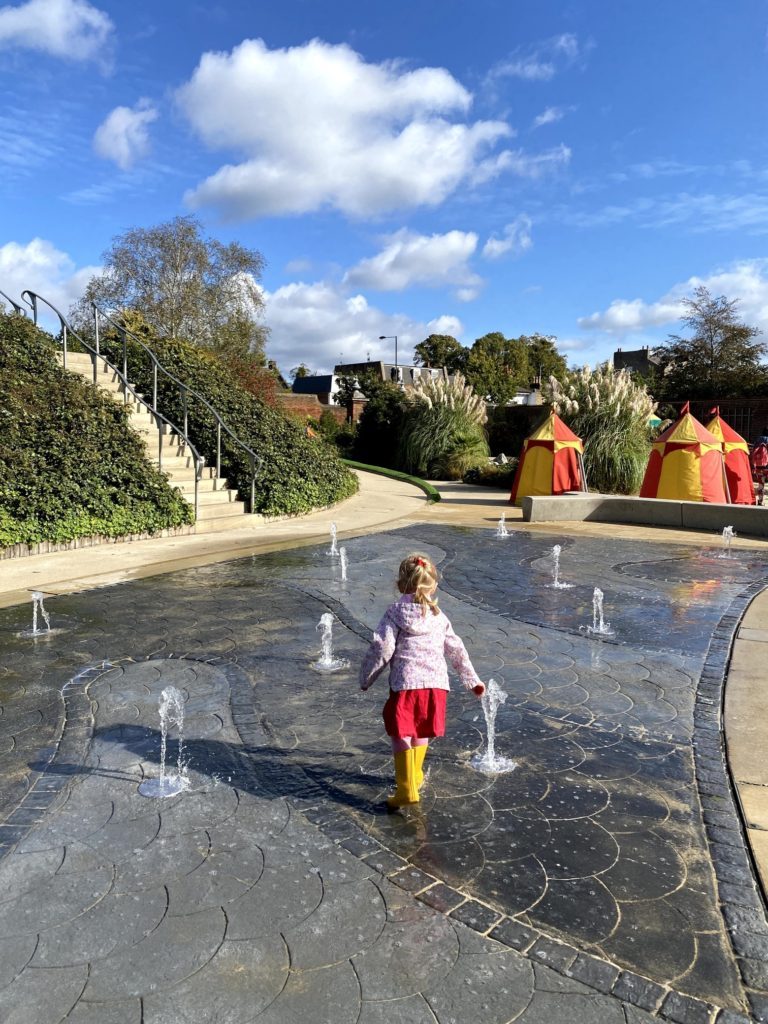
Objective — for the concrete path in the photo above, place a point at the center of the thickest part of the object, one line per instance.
(379, 502)
(274, 890)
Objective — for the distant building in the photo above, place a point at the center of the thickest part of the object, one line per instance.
(639, 360)
(405, 375)
(324, 385)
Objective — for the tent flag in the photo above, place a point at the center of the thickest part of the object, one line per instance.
(738, 470)
(686, 463)
(550, 462)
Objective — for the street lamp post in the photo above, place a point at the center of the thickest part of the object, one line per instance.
(389, 337)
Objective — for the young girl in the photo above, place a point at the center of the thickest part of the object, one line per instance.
(415, 638)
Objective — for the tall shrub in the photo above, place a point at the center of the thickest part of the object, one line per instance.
(380, 424)
(443, 434)
(609, 412)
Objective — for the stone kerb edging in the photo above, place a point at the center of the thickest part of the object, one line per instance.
(740, 893)
(66, 753)
(49, 547)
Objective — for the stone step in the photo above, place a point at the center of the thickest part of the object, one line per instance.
(226, 510)
(208, 499)
(207, 485)
(179, 475)
(209, 522)
(218, 505)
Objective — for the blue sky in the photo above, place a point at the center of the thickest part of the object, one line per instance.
(571, 168)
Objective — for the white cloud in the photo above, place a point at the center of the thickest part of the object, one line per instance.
(123, 136)
(532, 165)
(41, 267)
(540, 63)
(62, 28)
(515, 239)
(410, 259)
(549, 116)
(319, 127)
(745, 281)
(698, 212)
(320, 323)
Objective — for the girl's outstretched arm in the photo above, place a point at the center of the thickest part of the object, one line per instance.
(456, 653)
(379, 654)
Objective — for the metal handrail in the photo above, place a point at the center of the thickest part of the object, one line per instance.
(16, 307)
(32, 299)
(184, 390)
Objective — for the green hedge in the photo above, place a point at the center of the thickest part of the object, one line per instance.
(431, 492)
(69, 464)
(298, 473)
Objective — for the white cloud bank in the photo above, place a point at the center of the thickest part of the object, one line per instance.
(123, 136)
(745, 281)
(409, 259)
(41, 267)
(321, 325)
(318, 127)
(72, 29)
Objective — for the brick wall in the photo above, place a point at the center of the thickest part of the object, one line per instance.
(301, 406)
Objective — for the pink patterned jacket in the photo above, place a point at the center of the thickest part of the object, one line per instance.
(415, 646)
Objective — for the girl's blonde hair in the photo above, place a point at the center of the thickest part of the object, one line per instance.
(418, 576)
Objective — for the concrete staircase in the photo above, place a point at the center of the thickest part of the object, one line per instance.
(218, 507)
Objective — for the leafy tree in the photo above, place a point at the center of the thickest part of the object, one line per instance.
(302, 370)
(185, 286)
(498, 366)
(441, 350)
(720, 359)
(543, 358)
(381, 422)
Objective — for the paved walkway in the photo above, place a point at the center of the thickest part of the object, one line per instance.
(604, 880)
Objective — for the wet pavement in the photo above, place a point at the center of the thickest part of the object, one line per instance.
(604, 879)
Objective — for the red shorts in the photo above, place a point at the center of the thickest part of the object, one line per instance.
(419, 713)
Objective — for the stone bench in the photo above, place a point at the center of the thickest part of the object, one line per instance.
(749, 520)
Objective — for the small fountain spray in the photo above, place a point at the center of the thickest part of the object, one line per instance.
(171, 713)
(37, 604)
(501, 529)
(557, 583)
(326, 661)
(599, 626)
(489, 761)
(333, 550)
(343, 563)
(728, 536)
(38, 609)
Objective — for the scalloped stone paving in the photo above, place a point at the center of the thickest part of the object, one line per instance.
(603, 880)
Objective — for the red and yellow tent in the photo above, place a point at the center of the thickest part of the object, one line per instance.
(738, 471)
(550, 462)
(686, 463)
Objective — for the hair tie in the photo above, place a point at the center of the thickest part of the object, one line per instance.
(421, 562)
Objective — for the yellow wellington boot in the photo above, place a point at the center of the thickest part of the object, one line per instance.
(419, 753)
(407, 791)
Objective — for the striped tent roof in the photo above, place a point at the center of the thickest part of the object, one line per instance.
(555, 431)
(688, 431)
(726, 434)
